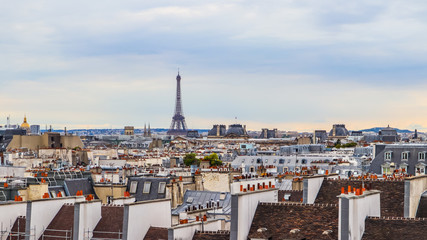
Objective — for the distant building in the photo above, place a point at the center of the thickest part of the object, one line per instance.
(192, 134)
(25, 125)
(217, 131)
(147, 133)
(388, 134)
(266, 133)
(410, 158)
(35, 129)
(320, 136)
(129, 130)
(338, 130)
(47, 140)
(236, 131)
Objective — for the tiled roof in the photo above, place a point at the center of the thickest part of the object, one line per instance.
(64, 221)
(18, 229)
(211, 235)
(422, 207)
(296, 221)
(395, 228)
(295, 195)
(392, 193)
(156, 233)
(195, 198)
(111, 221)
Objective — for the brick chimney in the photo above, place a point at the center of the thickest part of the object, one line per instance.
(353, 210)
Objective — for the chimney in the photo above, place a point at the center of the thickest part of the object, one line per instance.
(354, 207)
(217, 130)
(65, 131)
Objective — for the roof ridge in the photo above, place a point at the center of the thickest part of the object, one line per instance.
(397, 218)
(298, 204)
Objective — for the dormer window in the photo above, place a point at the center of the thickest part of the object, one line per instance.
(404, 167)
(420, 168)
(405, 155)
(387, 156)
(422, 156)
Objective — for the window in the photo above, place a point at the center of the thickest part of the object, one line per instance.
(133, 186)
(386, 170)
(304, 161)
(422, 156)
(405, 155)
(53, 194)
(162, 187)
(266, 160)
(297, 161)
(259, 160)
(147, 186)
(420, 169)
(387, 156)
(275, 160)
(404, 167)
(281, 161)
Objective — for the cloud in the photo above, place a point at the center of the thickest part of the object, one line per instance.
(290, 64)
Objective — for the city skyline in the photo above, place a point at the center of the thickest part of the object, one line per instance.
(298, 66)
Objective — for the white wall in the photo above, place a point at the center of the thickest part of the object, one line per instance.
(235, 186)
(186, 231)
(247, 204)
(90, 214)
(12, 171)
(9, 212)
(360, 207)
(313, 187)
(43, 211)
(418, 185)
(123, 200)
(142, 215)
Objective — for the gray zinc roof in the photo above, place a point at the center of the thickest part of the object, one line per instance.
(196, 198)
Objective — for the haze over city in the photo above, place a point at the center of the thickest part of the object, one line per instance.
(294, 65)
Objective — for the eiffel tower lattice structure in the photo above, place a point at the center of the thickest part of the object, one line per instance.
(178, 125)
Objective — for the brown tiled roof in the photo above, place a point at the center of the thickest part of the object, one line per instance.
(18, 229)
(397, 228)
(211, 235)
(111, 222)
(422, 208)
(296, 195)
(392, 193)
(64, 220)
(312, 220)
(156, 233)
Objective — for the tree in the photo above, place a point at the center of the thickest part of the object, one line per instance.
(190, 159)
(213, 160)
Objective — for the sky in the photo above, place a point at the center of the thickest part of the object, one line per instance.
(288, 64)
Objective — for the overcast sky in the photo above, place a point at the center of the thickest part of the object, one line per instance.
(292, 65)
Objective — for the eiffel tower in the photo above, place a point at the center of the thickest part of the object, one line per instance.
(178, 125)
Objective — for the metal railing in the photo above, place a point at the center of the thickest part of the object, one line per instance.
(56, 234)
(89, 235)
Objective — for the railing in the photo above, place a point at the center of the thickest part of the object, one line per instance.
(13, 235)
(89, 235)
(57, 234)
